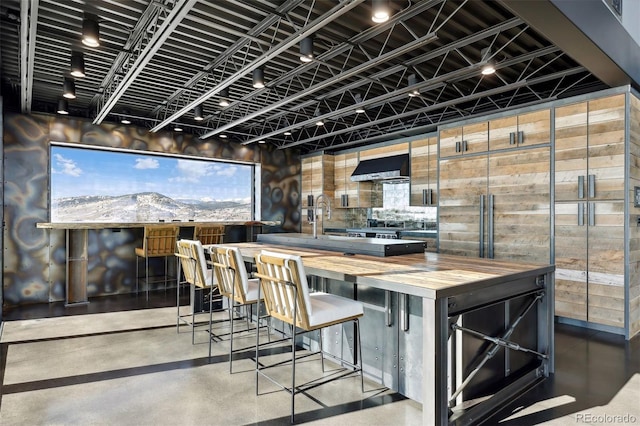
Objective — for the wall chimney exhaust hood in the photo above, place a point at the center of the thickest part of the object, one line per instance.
(394, 169)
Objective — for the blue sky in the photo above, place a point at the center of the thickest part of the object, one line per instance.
(78, 171)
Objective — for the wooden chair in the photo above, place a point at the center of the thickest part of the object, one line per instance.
(283, 285)
(158, 241)
(234, 284)
(209, 234)
(193, 266)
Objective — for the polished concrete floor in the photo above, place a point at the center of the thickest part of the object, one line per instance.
(121, 361)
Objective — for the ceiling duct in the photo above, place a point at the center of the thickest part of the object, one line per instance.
(394, 169)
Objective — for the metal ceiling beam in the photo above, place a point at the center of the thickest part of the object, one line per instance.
(28, 27)
(514, 22)
(452, 102)
(343, 47)
(335, 12)
(430, 84)
(329, 82)
(262, 26)
(180, 10)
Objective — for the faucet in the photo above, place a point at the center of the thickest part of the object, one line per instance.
(321, 199)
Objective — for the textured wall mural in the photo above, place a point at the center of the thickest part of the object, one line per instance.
(35, 259)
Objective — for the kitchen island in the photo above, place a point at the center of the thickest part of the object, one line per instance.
(471, 309)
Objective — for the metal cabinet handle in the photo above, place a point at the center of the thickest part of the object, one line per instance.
(427, 197)
(405, 312)
(490, 226)
(580, 214)
(310, 200)
(580, 187)
(458, 147)
(481, 249)
(512, 138)
(592, 186)
(387, 307)
(592, 214)
(465, 146)
(520, 137)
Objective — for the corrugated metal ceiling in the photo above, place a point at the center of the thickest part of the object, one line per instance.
(160, 58)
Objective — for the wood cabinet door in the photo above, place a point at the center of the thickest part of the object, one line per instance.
(424, 172)
(605, 274)
(340, 185)
(571, 151)
(535, 128)
(571, 260)
(475, 138)
(351, 188)
(449, 142)
(520, 189)
(606, 130)
(463, 181)
(307, 181)
(501, 131)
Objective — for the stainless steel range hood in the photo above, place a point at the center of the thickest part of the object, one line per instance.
(386, 169)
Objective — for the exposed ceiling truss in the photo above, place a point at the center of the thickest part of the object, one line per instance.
(159, 59)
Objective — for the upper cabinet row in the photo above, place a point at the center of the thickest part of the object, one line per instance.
(528, 129)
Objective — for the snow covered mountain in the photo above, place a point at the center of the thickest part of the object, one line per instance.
(145, 207)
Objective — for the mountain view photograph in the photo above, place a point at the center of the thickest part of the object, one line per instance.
(108, 186)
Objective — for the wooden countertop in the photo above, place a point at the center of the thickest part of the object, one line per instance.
(116, 225)
(430, 275)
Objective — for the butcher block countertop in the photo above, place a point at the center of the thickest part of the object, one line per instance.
(430, 275)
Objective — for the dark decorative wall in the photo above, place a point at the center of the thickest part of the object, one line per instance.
(34, 259)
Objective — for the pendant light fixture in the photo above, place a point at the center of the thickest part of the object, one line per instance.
(77, 64)
(412, 80)
(489, 67)
(379, 11)
(69, 88)
(197, 113)
(177, 127)
(258, 78)
(306, 49)
(90, 32)
(358, 98)
(63, 106)
(224, 97)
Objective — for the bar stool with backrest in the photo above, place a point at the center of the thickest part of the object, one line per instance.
(193, 266)
(283, 285)
(209, 234)
(234, 284)
(158, 241)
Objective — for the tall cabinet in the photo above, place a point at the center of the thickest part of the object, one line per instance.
(590, 210)
(317, 178)
(494, 198)
(424, 172)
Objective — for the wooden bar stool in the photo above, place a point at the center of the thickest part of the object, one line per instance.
(158, 241)
(234, 284)
(283, 285)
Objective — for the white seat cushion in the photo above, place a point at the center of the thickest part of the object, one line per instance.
(252, 288)
(327, 308)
